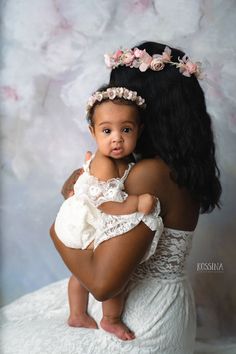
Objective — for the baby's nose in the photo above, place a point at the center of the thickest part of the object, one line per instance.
(117, 137)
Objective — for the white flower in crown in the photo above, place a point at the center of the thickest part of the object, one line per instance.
(91, 101)
(126, 94)
(119, 91)
(111, 93)
(134, 95)
(109, 61)
(140, 101)
(98, 96)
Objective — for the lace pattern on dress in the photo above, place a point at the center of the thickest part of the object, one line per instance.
(120, 224)
(169, 260)
(99, 192)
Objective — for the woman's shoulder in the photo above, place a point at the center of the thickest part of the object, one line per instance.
(152, 167)
(148, 176)
(178, 208)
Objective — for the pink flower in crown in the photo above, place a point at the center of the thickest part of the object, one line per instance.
(143, 59)
(117, 54)
(187, 67)
(127, 57)
(157, 64)
(113, 60)
(166, 55)
(109, 61)
(138, 53)
(191, 67)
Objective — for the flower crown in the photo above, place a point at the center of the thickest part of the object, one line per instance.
(115, 92)
(140, 59)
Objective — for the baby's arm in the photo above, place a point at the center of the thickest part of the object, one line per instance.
(104, 169)
(143, 203)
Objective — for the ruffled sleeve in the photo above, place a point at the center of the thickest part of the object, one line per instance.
(99, 192)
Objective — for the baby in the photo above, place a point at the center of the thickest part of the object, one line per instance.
(100, 209)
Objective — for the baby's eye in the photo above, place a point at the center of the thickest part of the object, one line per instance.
(127, 130)
(106, 131)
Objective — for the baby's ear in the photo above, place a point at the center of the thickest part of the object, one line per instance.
(91, 128)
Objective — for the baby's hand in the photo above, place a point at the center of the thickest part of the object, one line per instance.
(146, 203)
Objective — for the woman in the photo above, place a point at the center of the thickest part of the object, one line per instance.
(178, 167)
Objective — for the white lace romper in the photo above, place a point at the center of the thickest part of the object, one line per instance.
(79, 221)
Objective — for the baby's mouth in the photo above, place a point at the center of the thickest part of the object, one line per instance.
(117, 149)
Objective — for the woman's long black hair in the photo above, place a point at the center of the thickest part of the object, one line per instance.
(177, 126)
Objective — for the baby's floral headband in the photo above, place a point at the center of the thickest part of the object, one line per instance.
(115, 92)
(140, 59)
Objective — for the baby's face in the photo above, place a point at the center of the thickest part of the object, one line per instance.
(116, 129)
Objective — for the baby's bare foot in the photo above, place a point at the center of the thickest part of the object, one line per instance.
(82, 320)
(117, 327)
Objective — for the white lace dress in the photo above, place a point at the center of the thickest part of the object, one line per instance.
(159, 309)
(79, 221)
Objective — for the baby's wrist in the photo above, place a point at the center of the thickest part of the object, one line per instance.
(139, 202)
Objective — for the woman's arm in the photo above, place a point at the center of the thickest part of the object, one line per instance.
(107, 270)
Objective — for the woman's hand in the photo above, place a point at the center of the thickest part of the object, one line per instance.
(68, 187)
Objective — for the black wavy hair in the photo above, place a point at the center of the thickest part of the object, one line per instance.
(177, 126)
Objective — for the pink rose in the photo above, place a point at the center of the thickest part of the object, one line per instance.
(166, 55)
(191, 67)
(127, 58)
(138, 52)
(117, 54)
(157, 64)
(146, 58)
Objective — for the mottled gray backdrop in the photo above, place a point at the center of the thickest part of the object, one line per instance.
(52, 59)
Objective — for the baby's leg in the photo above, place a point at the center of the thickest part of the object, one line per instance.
(78, 301)
(111, 321)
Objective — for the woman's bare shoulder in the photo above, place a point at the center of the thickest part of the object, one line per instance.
(147, 176)
(150, 166)
(179, 209)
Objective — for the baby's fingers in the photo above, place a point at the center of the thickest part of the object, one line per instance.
(88, 155)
